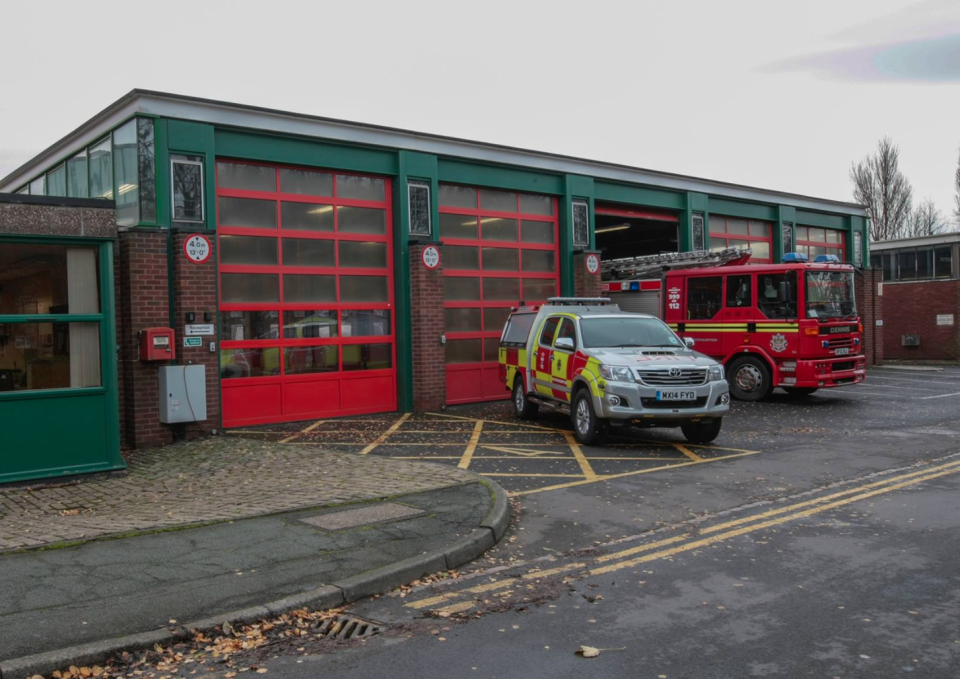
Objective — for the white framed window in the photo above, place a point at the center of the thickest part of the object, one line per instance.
(581, 223)
(418, 197)
(186, 182)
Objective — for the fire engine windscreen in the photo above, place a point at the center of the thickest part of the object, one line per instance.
(627, 332)
(830, 294)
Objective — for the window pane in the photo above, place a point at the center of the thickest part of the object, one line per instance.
(187, 191)
(50, 356)
(717, 244)
(367, 356)
(717, 224)
(501, 288)
(366, 322)
(760, 229)
(48, 279)
(803, 250)
(146, 158)
(539, 260)
(363, 288)
(101, 171)
(463, 351)
(731, 243)
(458, 196)
(462, 320)
(460, 258)
(943, 258)
(306, 217)
(456, 288)
(548, 331)
(77, 176)
(307, 288)
(458, 226)
(306, 182)
(802, 233)
(361, 220)
(246, 287)
(249, 362)
(491, 349)
(536, 205)
(308, 252)
(249, 325)
(300, 324)
(816, 251)
(126, 171)
(246, 177)
(498, 201)
(536, 232)
(363, 255)
(581, 224)
(704, 297)
(737, 226)
(248, 250)
(418, 195)
(501, 259)
(38, 186)
(924, 263)
(567, 330)
(777, 294)
(260, 214)
(834, 236)
(538, 289)
(303, 360)
(495, 319)
(496, 228)
(890, 268)
(816, 235)
(360, 188)
(761, 249)
(57, 182)
(738, 291)
(908, 264)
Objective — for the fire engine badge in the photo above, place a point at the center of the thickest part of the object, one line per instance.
(778, 342)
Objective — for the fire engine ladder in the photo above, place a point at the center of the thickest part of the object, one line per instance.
(652, 266)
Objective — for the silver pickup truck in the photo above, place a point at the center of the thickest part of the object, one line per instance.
(606, 368)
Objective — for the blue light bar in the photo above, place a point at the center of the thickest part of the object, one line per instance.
(794, 258)
(827, 259)
(634, 285)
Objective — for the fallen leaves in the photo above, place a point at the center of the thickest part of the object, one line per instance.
(592, 652)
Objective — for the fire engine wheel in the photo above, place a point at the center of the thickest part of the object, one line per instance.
(522, 406)
(587, 427)
(799, 392)
(702, 432)
(749, 379)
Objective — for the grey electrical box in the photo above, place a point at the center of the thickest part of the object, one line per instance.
(183, 393)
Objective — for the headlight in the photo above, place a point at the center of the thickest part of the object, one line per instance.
(616, 373)
(715, 373)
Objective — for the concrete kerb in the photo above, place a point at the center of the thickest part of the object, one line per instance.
(376, 581)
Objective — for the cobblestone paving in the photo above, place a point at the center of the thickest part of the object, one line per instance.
(212, 479)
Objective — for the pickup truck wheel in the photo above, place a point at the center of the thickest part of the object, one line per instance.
(522, 406)
(588, 429)
(799, 392)
(749, 379)
(702, 432)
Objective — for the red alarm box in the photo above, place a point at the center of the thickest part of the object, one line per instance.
(156, 344)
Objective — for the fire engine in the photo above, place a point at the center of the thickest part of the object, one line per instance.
(792, 325)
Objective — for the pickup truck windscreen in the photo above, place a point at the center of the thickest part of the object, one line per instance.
(627, 332)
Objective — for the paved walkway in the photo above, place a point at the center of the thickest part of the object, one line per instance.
(213, 479)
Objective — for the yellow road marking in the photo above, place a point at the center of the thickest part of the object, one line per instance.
(555, 476)
(525, 453)
(455, 608)
(504, 424)
(307, 430)
(689, 453)
(383, 437)
(472, 445)
(588, 472)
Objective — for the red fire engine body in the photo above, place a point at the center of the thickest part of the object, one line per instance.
(793, 326)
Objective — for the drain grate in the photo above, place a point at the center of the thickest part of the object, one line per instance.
(348, 627)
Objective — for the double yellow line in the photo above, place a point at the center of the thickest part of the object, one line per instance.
(668, 547)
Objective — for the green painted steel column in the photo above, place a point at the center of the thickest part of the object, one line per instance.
(109, 352)
(575, 187)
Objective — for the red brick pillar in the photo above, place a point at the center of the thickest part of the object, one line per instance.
(585, 284)
(427, 324)
(870, 307)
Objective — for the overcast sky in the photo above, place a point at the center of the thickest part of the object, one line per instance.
(770, 94)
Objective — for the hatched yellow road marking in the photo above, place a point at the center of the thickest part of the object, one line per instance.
(689, 453)
(472, 445)
(385, 435)
(505, 424)
(585, 467)
(306, 430)
(523, 453)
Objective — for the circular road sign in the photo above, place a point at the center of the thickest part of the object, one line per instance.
(431, 257)
(197, 248)
(593, 264)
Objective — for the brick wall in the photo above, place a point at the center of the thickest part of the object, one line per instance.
(427, 316)
(585, 284)
(912, 308)
(870, 307)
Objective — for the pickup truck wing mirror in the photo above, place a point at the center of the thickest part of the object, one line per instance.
(689, 341)
(564, 344)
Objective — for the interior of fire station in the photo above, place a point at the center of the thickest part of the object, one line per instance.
(623, 231)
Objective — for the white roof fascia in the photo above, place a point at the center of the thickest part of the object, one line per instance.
(939, 239)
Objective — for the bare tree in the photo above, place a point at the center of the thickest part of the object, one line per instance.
(879, 184)
(926, 220)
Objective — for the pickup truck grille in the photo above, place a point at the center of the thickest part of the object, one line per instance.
(661, 377)
(654, 404)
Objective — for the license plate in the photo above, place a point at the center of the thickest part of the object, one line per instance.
(676, 395)
(841, 352)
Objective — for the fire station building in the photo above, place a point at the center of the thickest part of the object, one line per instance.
(309, 268)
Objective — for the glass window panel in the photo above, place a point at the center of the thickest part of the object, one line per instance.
(491, 349)
(308, 288)
(536, 205)
(458, 226)
(876, 260)
(460, 258)
(834, 236)
(248, 250)
(462, 320)
(259, 362)
(501, 259)
(548, 331)
(77, 176)
(308, 252)
(890, 268)
(38, 186)
(366, 322)
(924, 263)
(943, 259)
(738, 291)
(460, 289)
(498, 201)
(360, 188)
(101, 170)
(704, 297)
(761, 250)
(464, 351)
(260, 214)
(57, 182)
(497, 228)
(306, 217)
(48, 279)
(536, 232)
(816, 251)
(146, 159)
(816, 235)
(539, 260)
(908, 264)
(731, 243)
(495, 319)
(717, 244)
(760, 229)
(126, 172)
(361, 220)
(737, 226)
(803, 250)
(717, 224)
(306, 182)
(418, 198)
(246, 177)
(300, 324)
(581, 223)
(501, 288)
(538, 289)
(50, 356)
(367, 356)
(246, 287)
(363, 289)
(458, 196)
(240, 326)
(305, 360)
(363, 255)
(187, 178)
(802, 233)
(24, 191)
